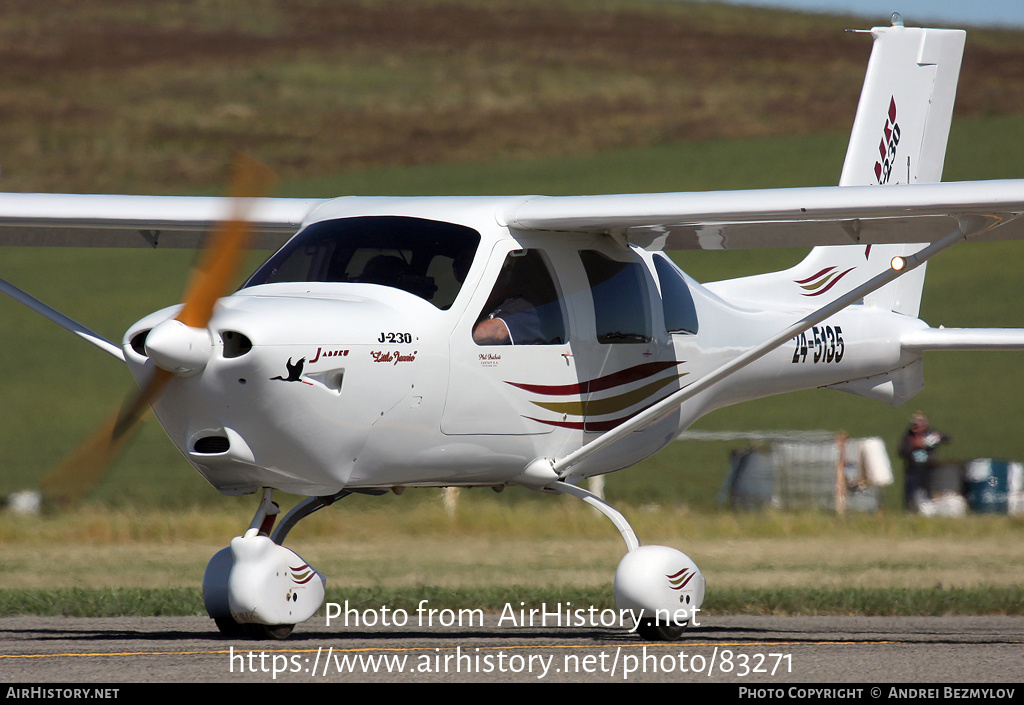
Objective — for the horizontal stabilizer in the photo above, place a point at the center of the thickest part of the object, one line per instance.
(930, 339)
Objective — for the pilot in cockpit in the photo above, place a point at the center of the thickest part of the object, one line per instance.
(510, 317)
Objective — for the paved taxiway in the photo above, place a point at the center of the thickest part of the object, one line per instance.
(739, 649)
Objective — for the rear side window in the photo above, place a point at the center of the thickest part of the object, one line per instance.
(676, 300)
(619, 290)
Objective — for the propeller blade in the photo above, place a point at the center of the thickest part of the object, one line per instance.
(135, 407)
(79, 472)
(220, 259)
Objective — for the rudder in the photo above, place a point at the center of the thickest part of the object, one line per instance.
(906, 107)
(899, 137)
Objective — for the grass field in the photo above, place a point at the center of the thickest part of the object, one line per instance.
(595, 97)
(151, 562)
(534, 546)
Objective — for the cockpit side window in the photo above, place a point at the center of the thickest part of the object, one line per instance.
(524, 307)
(621, 307)
(676, 300)
(427, 258)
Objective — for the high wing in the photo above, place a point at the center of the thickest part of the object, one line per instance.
(719, 220)
(73, 220)
(794, 217)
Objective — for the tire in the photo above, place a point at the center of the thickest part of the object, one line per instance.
(228, 627)
(655, 630)
(269, 632)
(231, 629)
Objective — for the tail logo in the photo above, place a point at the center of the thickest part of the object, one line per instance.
(887, 145)
(819, 283)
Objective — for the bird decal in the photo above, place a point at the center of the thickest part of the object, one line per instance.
(294, 371)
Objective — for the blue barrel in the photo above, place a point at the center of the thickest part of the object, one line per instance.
(988, 485)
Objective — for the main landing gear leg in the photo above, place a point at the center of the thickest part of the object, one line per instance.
(256, 587)
(659, 583)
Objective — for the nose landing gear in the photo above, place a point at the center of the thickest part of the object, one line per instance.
(257, 588)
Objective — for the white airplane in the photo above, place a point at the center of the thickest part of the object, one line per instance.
(531, 341)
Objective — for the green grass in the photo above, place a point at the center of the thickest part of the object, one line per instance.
(149, 561)
(84, 602)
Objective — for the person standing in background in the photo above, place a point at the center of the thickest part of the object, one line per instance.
(917, 449)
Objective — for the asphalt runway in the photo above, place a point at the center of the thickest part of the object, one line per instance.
(734, 649)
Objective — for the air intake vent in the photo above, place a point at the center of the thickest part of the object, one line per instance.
(138, 342)
(235, 344)
(211, 445)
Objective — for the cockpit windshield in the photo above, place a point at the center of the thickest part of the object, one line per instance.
(427, 258)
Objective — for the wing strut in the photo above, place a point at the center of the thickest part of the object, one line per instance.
(899, 266)
(61, 320)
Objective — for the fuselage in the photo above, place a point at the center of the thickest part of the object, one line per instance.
(356, 356)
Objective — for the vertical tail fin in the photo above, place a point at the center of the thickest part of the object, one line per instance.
(906, 107)
(899, 137)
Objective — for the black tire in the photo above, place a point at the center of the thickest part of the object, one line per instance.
(655, 630)
(231, 629)
(269, 632)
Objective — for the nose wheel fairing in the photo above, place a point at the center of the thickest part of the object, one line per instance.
(255, 581)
